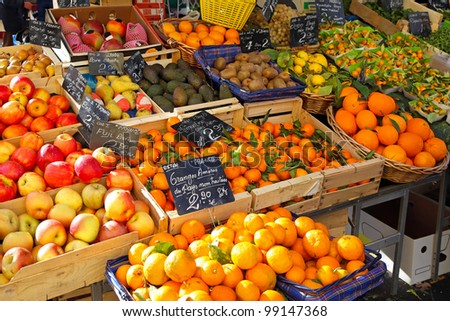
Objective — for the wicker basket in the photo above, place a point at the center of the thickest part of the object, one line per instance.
(316, 104)
(393, 171)
(308, 48)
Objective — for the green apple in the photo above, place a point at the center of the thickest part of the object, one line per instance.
(28, 223)
(92, 195)
(9, 222)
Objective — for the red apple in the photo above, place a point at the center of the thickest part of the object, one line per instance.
(66, 143)
(85, 227)
(51, 231)
(6, 150)
(72, 157)
(111, 229)
(23, 84)
(60, 101)
(106, 158)
(25, 156)
(12, 112)
(26, 121)
(12, 170)
(38, 204)
(41, 123)
(14, 130)
(53, 113)
(88, 169)
(20, 97)
(58, 174)
(37, 107)
(14, 259)
(66, 119)
(48, 251)
(2, 128)
(120, 178)
(32, 140)
(119, 205)
(41, 93)
(5, 92)
(8, 188)
(30, 181)
(47, 154)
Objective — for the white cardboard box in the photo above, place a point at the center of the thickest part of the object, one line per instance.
(417, 254)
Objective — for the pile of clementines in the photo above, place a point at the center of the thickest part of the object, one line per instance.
(196, 35)
(239, 260)
(378, 124)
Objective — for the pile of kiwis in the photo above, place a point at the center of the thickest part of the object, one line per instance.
(26, 60)
(252, 71)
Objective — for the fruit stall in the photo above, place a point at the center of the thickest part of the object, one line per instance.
(235, 154)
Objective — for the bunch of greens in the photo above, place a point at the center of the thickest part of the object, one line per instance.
(440, 38)
(392, 15)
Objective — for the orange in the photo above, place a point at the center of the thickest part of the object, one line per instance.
(197, 295)
(224, 244)
(253, 222)
(211, 272)
(135, 276)
(220, 29)
(297, 259)
(395, 152)
(348, 90)
(300, 248)
(312, 284)
(198, 248)
(311, 272)
(203, 34)
(159, 197)
(217, 36)
(284, 212)
(222, 232)
(253, 175)
(296, 274)
(354, 265)
(271, 295)
(436, 147)
(387, 135)
(354, 103)
(168, 28)
(244, 255)
(223, 293)
(162, 237)
(185, 26)
(367, 138)
(316, 243)
(263, 276)
(141, 294)
(424, 159)
(290, 231)
(264, 239)
(243, 235)
(236, 220)
(346, 121)
(333, 252)
(365, 119)
(233, 275)
(350, 247)
(412, 143)
(170, 122)
(176, 36)
(208, 41)
(154, 269)
(323, 227)
(193, 230)
(231, 34)
(180, 265)
(201, 27)
(381, 104)
(163, 293)
(148, 169)
(135, 253)
(303, 225)
(182, 242)
(326, 275)
(279, 259)
(420, 127)
(193, 41)
(159, 181)
(276, 230)
(121, 274)
(247, 291)
(397, 121)
(327, 260)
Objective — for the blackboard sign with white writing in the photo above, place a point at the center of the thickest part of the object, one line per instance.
(198, 183)
(202, 128)
(75, 84)
(105, 63)
(123, 140)
(439, 4)
(304, 30)
(45, 34)
(73, 3)
(419, 24)
(255, 40)
(134, 66)
(330, 11)
(90, 110)
(268, 9)
(392, 4)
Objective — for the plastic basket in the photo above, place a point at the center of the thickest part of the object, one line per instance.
(339, 290)
(110, 273)
(205, 56)
(227, 13)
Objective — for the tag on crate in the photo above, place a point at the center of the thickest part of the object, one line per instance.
(73, 3)
(198, 183)
(268, 9)
(123, 140)
(419, 24)
(439, 4)
(392, 4)
(256, 39)
(90, 110)
(105, 63)
(330, 11)
(134, 66)
(304, 30)
(75, 84)
(45, 34)
(202, 128)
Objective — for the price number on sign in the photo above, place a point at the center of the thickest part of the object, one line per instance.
(45, 34)
(105, 63)
(134, 66)
(255, 40)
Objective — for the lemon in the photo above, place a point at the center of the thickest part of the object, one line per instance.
(299, 62)
(303, 54)
(317, 80)
(298, 69)
(332, 68)
(320, 59)
(315, 68)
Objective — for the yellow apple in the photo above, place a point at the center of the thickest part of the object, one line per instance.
(69, 196)
(18, 239)
(141, 222)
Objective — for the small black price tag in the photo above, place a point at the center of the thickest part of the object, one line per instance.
(330, 11)
(197, 184)
(105, 63)
(45, 34)
(392, 4)
(304, 30)
(73, 3)
(123, 140)
(75, 84)
(268, 9)
(90, 110)
(439, 4)
(202, 128)
(419, 24)
(134, 66)
(255, 40)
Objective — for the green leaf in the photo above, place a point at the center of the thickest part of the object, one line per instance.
(216, 253)
(235, 157)
(364, 90)
(325, 90)
(273, 54)
(432, 117)
(164, 248)
(395, 124)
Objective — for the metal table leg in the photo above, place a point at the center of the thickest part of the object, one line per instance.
(97, 291)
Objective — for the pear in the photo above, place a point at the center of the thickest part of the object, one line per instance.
(126, 78)
(87, 90)
(116, 112)
(105, 92)
(130, 95)
(102, 80)
(111, 78)
(119, 86)
(143, 112)
(125, 115)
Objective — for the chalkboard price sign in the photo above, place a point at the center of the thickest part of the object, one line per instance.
(304, 30)
(268, 9)
(197, 184)
(419, 23)
(73, 3)
(75, 84)
(202, 128)
(90, 110)
(134, 66)
(105, 63)
(330, 11)
(45, 34)
(391, 4)
(439, 4)
(123, 140)
(255, 40)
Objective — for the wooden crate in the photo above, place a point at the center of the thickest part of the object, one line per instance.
(358, 8)
(70, 271)
(335, 221)
(289, 110)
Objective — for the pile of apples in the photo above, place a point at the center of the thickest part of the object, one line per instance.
(71, 220)
(25, 107)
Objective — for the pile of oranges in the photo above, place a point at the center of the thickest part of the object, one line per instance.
(239, 260)
(378, 124)
(196, 35)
